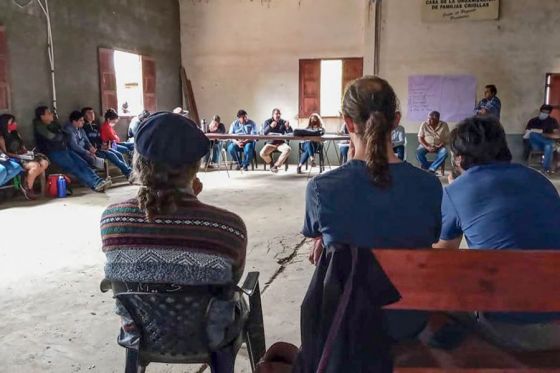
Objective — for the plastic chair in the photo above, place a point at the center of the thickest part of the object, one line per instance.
(173, 325)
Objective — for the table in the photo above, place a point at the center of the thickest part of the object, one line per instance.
(329, 138)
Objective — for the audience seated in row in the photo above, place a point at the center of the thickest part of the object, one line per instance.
(51, 140)
(20, 159)
(494, 203)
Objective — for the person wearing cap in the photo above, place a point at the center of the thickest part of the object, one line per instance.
(541, 133)
(216, 126)
(166, 234)
(242, 126)
(165, 237)
(276, 125)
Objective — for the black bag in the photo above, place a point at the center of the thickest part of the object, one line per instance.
(305, 132)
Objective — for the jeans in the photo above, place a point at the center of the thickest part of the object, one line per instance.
(234, 151)
(115, 158)
(539, 142)
(216, 148)
(9, 170)
(72, 163)
(124, 147)
(399, 151)
(441, 156)
(344, 153)
(309, 150)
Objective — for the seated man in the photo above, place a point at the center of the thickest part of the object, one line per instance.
(432, 137)
(242, 126)
(213, 155)
(542, 132)
(497, 205)
(93, 133)
(490, 104)
(398, 139)
(78, 141)
(153, 238)
(276, 125)
(52, 142)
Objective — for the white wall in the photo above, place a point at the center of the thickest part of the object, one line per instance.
(514, 52)
(245, 54)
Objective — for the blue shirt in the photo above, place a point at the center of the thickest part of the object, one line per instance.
(503, 206)
(249, 128)
(493, 106)
(344, 206)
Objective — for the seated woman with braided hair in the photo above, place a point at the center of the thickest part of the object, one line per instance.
(157, 236)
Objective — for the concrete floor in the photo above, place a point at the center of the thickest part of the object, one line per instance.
(53, 317)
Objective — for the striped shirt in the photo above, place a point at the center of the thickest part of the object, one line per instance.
(198, 244)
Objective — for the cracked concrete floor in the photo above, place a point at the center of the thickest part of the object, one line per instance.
(53, 317)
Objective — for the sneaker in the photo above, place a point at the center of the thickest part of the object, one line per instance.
(298, 170)
(245, 168)
(313, 164)
(274, 169)
(103, 185)
(238, 167)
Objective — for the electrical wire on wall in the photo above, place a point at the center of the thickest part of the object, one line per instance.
(44, 4)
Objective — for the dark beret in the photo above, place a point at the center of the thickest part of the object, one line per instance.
(171, 139)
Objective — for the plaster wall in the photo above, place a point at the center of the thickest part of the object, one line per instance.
(245, 54)
(79, 27)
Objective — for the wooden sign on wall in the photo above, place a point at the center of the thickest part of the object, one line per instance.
(455, 10)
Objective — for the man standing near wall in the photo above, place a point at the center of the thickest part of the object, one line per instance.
(490, 104)
(433, 137)
(280, 126)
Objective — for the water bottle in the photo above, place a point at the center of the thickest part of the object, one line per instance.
(61, 183)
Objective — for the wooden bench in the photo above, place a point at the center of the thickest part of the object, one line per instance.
(473, 280)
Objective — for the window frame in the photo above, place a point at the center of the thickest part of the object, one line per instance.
(302, 112)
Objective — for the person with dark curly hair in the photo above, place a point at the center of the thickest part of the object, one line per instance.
(166, 234)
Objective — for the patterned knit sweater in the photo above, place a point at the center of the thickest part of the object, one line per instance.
(198, 244)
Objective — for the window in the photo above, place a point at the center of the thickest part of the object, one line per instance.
(128, 74)
(4, 81)
(552, 93)
(322, 83)
(127, 82)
